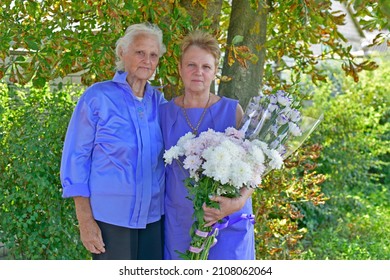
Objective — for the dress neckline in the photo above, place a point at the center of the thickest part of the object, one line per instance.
(178, 106)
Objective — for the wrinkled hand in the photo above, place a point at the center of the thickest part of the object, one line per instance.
(91, 236)
(227, 206)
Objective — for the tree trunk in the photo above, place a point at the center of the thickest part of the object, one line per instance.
(212, 10)
(251, 23)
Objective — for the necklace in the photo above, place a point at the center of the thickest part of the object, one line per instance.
(195, 129)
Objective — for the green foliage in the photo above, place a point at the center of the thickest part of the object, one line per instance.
(372, 15)
(294, 26)
(279, 205)
(44, 40)
(36, 223)
(355, 134)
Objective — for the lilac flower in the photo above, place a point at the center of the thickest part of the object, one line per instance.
(282, 98)
(192, 162)
(273, 99)
(294, 129)
(282, 119)
(295, 115)
(230, 131)
(281, 150)
(273, 107)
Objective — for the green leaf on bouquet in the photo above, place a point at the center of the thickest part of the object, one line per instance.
(283, 129)
(182, 255)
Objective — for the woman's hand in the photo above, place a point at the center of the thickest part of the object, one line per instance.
(90, 233)
(227, 206)
(91, 236)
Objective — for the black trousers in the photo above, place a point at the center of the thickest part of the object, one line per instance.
(131, 244)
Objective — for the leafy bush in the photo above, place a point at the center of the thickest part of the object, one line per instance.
(280, 202)
(36, 223)
(355, 136)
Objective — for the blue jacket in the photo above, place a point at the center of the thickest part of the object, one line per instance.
(113, 154)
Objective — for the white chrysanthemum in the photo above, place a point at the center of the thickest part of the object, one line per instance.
(257, 154)
(241, 174)
(255, 181)
(232, 149)
(216, 170)
(259, 169)
(208, 168)
(264, 147)
(276, 159)
(223, 172)
(210, 163)
(246, 145)
(173, 153)
(219, 155)
(186, 137)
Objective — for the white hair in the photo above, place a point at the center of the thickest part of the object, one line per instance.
(133, 31)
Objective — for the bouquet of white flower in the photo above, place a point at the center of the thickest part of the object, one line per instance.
(221, 163)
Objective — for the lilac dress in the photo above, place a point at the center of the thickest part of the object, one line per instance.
(236, 242)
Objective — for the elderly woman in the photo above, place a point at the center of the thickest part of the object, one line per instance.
(112, 158)
(195, 111)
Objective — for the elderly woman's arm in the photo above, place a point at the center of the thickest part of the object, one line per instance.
(90, 233)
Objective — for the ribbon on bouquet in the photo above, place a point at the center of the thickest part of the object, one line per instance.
(225, 222)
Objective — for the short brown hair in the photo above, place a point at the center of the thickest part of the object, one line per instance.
(203, 40)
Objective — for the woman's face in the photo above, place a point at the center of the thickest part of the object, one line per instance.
(197, 70)
(141, 57)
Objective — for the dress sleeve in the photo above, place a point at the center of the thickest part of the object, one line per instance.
(77, 151)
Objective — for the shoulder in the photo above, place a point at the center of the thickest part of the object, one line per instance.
(168, 110)
(97, 94)
(229, 101)
(167, 106)
(98, 89)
